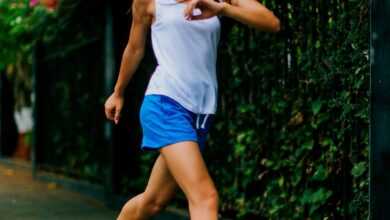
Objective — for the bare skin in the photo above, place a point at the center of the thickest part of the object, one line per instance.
(160, 189)
(179, 165)
(191, 174)
(249, 12)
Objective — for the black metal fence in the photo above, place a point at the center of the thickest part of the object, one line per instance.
(74, 75)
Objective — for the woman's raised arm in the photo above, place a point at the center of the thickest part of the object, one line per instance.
(249, 12)
(252, 13)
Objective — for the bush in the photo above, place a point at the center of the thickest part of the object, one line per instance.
(20, 27)
(291, 138)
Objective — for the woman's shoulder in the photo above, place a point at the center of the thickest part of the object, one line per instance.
(142, 4)
(143, 8)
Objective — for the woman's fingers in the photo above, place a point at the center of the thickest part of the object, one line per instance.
(109, 113)
(206, 9)
(113, 108)
(204, 15)
(190, 8)
(117, 114)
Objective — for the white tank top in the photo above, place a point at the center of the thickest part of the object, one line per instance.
(186, 53)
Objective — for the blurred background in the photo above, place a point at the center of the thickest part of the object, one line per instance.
(291, 136)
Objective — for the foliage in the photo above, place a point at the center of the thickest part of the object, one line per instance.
(291, 138)
(20, 27)
(67, 89)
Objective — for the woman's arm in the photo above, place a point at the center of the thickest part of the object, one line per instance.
(134, 51)
(132, 56)
(252, 13)
(249, 12)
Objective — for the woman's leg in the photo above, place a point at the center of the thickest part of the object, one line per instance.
(186, 164)
(160, 189)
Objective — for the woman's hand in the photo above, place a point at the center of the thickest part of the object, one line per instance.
(113, 107)
(209, 8)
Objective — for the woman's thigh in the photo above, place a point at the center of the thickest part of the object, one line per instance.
(161, 186)
(186, 164)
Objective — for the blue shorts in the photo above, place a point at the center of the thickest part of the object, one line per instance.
(164, 121)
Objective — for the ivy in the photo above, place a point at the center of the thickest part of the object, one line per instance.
(293, 116)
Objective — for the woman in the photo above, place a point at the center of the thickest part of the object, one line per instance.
(181, 97)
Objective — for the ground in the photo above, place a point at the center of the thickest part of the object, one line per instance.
(23, 198)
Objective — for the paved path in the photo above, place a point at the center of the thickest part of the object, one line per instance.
(22, 198)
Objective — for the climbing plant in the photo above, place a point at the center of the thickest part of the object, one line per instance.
(291, 138)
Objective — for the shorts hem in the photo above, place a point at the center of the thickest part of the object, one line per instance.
(151, 147)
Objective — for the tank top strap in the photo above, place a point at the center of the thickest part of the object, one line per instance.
(161, 8)
(156, 12)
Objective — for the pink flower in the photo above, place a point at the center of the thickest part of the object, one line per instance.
(34, 3)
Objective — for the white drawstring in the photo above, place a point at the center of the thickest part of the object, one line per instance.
(197, 121)
(203, 125)
(204, 121)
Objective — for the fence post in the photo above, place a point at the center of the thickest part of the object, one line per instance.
(109, 65)
(379, 190)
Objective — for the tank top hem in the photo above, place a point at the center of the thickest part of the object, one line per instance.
(186, 105)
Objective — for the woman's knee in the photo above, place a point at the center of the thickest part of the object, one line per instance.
(213, 197)
(143, 205)
(152, 203)
(205, 196)
(130, 208)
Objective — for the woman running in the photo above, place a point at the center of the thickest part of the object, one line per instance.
(181, 98)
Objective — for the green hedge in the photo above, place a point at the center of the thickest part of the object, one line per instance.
(291, 139)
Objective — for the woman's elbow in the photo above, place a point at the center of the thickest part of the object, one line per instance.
(275, 24)
(268, 23)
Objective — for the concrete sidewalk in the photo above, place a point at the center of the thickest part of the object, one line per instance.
(22, 198)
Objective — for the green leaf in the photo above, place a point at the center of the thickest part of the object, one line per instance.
(320, 174)
(296, 177)
(266, 162)
(358, 169)
(308, 145)
(318, 44)
(281, 181)
(316, 106)
(327, 142)
(315, 197)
